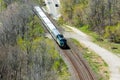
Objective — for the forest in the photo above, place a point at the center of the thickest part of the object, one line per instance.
(100, 16)
(25, 54)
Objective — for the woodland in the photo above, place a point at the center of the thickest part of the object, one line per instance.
(25, 53)
(100, 16)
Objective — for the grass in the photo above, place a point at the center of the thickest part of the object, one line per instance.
(93, 34)
(113, 47)
(103, 43)
(2, 5)
(99, 67)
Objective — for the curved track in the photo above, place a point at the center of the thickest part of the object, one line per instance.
(75, 61)
(80, 69)
(77, 65)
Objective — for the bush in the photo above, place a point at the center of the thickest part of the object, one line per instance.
(112, 33)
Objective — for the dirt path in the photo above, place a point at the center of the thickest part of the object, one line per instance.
(112, 60)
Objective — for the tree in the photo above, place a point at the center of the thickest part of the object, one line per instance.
(24, 53)
(73, 10)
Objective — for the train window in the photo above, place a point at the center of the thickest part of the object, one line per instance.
(56, 5)
(61, 36)
(64, 40)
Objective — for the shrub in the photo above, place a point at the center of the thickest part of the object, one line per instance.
(112, 33)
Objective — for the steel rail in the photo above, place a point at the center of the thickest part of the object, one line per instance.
(81, 71)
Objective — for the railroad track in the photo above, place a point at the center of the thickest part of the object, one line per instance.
(80, 69)
(77, 65)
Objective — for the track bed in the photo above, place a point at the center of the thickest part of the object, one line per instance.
(78, 67)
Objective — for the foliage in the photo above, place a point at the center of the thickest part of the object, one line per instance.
(113, 33)
(24, 53)
(72, 11)
(60, 21)
(111, 46)
(2, 5)
(99, 15)
(95, 36)
(78, 14)
(102, 13)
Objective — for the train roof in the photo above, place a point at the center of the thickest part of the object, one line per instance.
(47, 21)
(39, 11)
(38, 8)
(55, 32)
(44, 17)
(51, 26)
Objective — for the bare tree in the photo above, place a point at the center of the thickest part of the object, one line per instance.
(27, 63)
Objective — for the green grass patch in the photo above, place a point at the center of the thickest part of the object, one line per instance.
(99, 67)
(113, 47)
(2, 5)
(86, 30)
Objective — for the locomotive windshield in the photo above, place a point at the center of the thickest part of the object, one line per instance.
(60, 36)
(62, 40)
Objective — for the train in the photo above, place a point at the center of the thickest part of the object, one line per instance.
(58, 37)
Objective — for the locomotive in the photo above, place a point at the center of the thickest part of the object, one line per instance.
(58, 37)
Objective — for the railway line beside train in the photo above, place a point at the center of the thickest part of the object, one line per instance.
(77, 66)
(57, 36)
